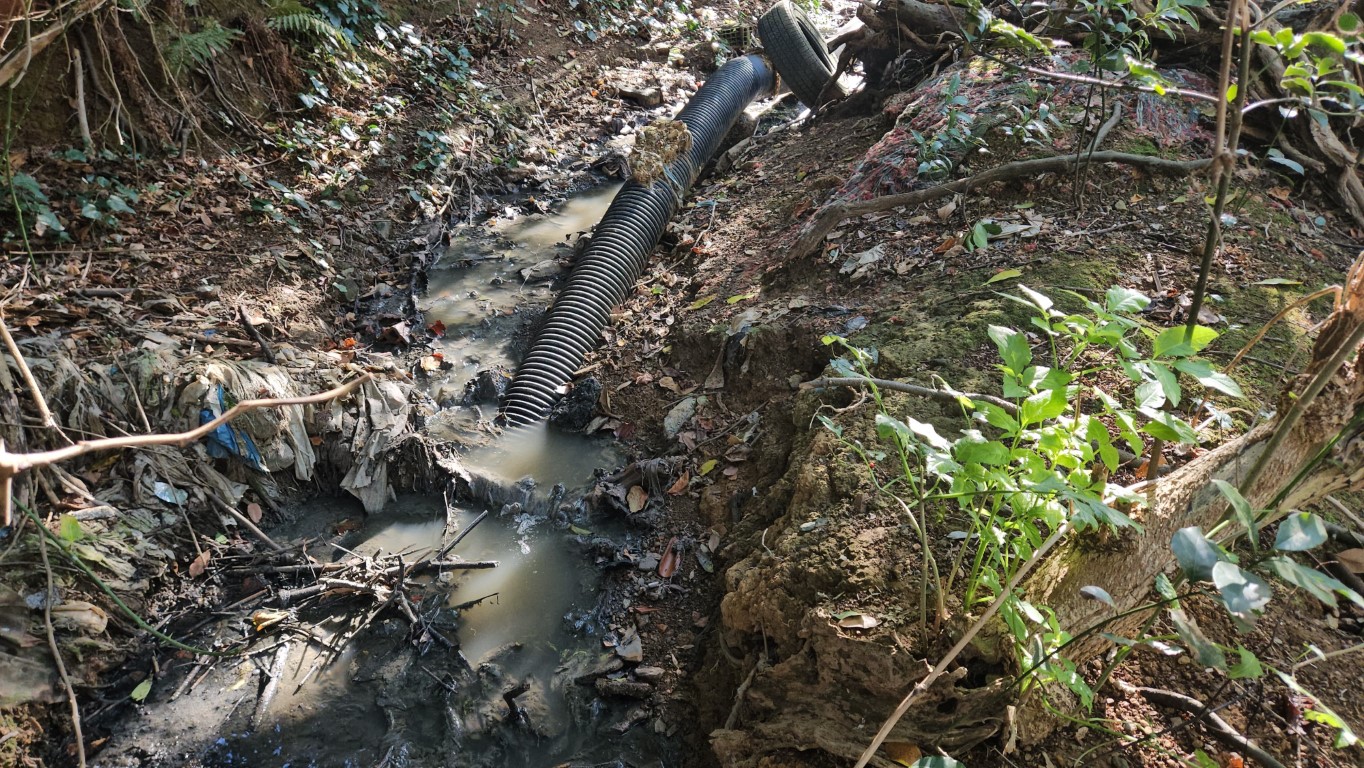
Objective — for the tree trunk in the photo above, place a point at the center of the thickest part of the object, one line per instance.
(1187, 497)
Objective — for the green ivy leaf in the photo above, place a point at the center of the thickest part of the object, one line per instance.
(1320, 713)
(1043, 406)
(1007, 274)
(1310, 580)
(69, 528)
(1206, 651)
(998, 418)
(929, 435)
(973, 448)
(1244, 514)
(1166, 589)
(1169, 383)
(140, 692)
(1248, 667)
(1209, 376)
(1244, 593)
(1168, 427)
(1098, 593)
(1195, 554)
(1170, 342)
(1150, 394)
(1119, 299)
(890, 428)
(1013, 347)
(1299, 532)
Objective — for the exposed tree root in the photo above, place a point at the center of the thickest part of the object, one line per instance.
(944, 395)
(830, 216)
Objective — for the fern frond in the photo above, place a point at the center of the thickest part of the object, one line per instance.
(197, 49)
(305, 23)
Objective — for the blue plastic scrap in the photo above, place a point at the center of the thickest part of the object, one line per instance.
(227, 440)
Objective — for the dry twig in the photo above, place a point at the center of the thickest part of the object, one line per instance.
(57, 656)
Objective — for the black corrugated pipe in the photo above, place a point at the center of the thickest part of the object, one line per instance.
(622, 241)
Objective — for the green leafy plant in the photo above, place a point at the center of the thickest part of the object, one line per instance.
(939, 154)
(32, 206)
(196, 50)
(1040, 459)
(1241, 583)
(290, 17)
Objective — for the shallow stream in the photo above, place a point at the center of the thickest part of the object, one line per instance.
(531, 623)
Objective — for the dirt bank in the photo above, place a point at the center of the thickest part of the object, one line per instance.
(811, 544)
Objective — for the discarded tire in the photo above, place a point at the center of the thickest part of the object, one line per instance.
(797, 51)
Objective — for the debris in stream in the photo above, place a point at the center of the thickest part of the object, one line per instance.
(385, 579)
(656, 147)
(489, 385)
(574, 411)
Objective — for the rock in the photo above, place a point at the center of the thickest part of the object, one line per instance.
(574, 411)
(629, 689)
(631, 648)
(650, 674)
(487, 386)
(678, 417)
(645, 97)
(649, 562)
(635, 716)
(583, 669)
(544, 270)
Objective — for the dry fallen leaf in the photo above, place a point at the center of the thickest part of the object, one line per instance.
(680, 487)
(254, 512)
(858, 621)
(1353, 559)
(667, 566)
(902, 752)
(637, 498)
(198, 564)
(80, 616)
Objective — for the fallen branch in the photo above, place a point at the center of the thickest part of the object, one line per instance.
(255, 334)
(82, 118)
(44, 412)
(421, 566)
(13, 464)
(445, 550)
(831, 216)
(1218, 727)
(245, 521)
(945, 395)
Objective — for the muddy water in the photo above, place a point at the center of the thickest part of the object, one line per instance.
(389, 698)
(477, 288)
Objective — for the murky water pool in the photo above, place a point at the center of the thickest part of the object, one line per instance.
(525, 632)
(488, 273)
